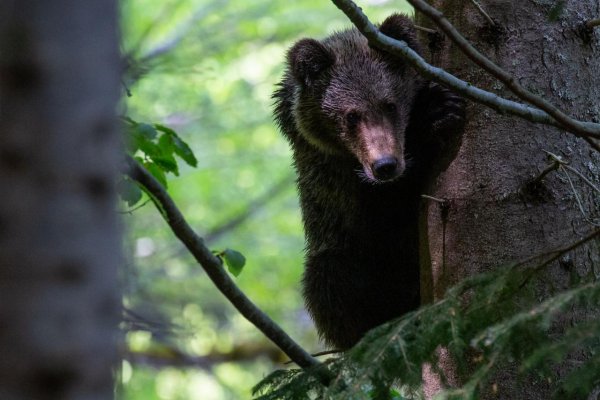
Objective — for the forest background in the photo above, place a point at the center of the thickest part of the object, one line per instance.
(207, 70)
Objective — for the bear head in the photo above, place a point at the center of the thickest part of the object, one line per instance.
(354, 100)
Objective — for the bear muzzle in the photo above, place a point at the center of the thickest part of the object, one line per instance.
(380, 151)
(387, 168)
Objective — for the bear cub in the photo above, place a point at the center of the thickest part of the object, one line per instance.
(365, 130)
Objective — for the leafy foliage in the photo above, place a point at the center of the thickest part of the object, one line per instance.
(486, 323)
(155, 146)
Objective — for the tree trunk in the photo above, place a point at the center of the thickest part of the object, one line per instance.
(59, 236)
(489, 222)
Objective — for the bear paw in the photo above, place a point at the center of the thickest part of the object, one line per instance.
(446, 111)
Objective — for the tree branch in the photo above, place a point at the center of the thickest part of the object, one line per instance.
(181, 32)
(592, 23)
(214, 269)
(492, 100)
(252, 207)
(581, 129)
(167, 355)
(554, 255)
(482, 12)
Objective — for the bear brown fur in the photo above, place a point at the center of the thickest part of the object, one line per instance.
(365, 130)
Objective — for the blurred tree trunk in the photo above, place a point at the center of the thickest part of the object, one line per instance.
(59, 235)
(489, 223)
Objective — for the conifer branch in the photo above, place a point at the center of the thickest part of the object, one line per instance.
(214, 268)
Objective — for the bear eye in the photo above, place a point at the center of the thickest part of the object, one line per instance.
(352, 118)
(390, 108)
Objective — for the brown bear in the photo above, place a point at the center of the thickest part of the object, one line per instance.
(365, 130)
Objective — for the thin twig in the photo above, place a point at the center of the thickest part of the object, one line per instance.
(557, 161)
(181, 33)
(579, 128)
(593, 23)
(578, 198)
(436, 199)
(557, 253)
(482, 12)
(327, 352)
(564, 166)
(492, 100)
(583, 178)
(321, 353)
(214, 269)
(423, 29)
(552, 167)
(555, 157)
(131, 210)
(253, 206)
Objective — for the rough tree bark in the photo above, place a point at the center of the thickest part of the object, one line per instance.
(59, 235)
(488, 222)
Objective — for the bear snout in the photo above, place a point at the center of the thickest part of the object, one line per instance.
(386, 168)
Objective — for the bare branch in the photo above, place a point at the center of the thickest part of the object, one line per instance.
(482, 12)
(593, 23)
(564, 164)
(595, 145)
(436, 199)
(581, 129)
(180, 33)
(423, 29)
(252, 207)
(578, 198)
(492, 100)
(214, 269)
(583, 178)
(553, 255)
(168, 355)
(132, 210)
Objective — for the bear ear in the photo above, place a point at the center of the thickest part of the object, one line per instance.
(308, 58)
(401, 27)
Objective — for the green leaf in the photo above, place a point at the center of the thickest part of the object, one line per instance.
(166, 162)
(129, 192)
(180, 147)
(165, 129)
(184, 151)
(146, 130)
(235, 261)
(160, 154)
(165, 142)
(156, 172)
(146, 146)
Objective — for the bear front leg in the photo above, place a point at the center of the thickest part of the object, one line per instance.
(434, 134)
(445, 112)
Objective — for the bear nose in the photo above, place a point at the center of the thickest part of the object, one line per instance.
(385, 168)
